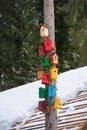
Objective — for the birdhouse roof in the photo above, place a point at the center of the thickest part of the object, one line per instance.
(39, 67)
(43, 25)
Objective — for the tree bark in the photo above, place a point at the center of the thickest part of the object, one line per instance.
(50, 118)
(49, 18)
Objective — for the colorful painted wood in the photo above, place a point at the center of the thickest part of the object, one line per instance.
(45, 79)
(41, 50)
(51, 91)
(48, 45)
(41, 105)
(53, 73)
(46, 62)
(42, 92)
(57, 104)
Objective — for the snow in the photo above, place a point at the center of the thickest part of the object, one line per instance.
(18, 103)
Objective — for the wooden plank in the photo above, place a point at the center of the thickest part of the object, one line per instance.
(71, 124)
(75, 100)
(64, 119)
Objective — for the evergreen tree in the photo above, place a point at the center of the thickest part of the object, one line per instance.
(18, 42)
(19, 37)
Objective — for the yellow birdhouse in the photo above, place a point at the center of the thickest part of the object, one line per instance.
(44, 31)
(57, 104)
(53, 73)
(40, 72)
(54, 59)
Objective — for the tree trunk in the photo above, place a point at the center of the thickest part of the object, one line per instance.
(50, 118)
(49, 18)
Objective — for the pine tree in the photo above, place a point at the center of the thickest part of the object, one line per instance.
(18, 42)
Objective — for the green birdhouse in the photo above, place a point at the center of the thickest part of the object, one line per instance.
(42, 92)
(46, 62)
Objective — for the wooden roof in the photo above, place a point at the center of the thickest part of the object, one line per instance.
(73, 115)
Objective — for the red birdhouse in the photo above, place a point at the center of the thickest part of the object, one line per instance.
(48, 45)
(41, 50)
(45, 79)
(41, 105)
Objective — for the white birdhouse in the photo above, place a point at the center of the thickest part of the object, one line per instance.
(44, 31)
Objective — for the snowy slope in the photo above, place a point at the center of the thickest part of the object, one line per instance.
(17, 103)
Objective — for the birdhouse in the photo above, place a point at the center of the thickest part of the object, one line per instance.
(41, 50)
(40, 72)
(54, 59)
(51, 91)
(53, 73)
(44, 31)
(46, 107)
(48, 45)
(41, 105)
(45, 79)
(42, 92)
(57, 104)
(46, 62)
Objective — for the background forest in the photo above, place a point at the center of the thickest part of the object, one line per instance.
(19, 38)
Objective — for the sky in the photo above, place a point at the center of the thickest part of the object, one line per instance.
(19, 103)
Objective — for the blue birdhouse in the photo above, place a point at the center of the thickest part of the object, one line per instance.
(51, 91)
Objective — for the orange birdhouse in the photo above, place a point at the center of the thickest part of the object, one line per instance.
(44, 31)
(40, 72)
(48, 45)
(45, 79)
(54, 59)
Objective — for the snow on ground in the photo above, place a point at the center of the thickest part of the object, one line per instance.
(18, 103)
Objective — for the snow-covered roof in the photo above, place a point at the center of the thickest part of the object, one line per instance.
(71, 117)
(19, 103)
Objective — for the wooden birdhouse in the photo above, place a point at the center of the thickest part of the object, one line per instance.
(44, 31)
(54, 59)
(46, 107)
(42, 92)
(53, 73)
(48, 45)
(41, 105)
(51, 91)
(40, 72)
(41, 50)
(57, 104)
(45, 79)
(46, 62)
